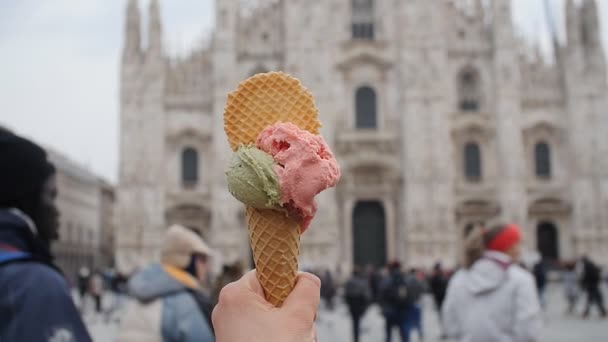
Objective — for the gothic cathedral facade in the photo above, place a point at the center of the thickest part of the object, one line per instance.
(439, 120)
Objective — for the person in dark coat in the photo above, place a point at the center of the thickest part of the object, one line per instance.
(399, 295)
(540, 278)
(357, 295)
(82, 280)
(375, 278)
(35, 300)
(591, 284)
(438, 284)
(328, 289)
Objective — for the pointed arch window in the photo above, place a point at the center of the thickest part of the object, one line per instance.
(363, 19)
(365, 107)
(472, 162)
(542, 160)
(189, 166)
(469, 90)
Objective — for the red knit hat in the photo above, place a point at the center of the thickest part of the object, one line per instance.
(503, 241)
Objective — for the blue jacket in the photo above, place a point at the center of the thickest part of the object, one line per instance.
(35, 301)
(165, 310)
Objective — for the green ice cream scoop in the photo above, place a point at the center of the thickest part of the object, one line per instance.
(252, 180)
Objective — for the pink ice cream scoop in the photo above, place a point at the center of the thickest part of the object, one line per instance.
(305, 167)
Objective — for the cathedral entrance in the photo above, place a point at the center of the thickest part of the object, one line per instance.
(547, 240)
(369, 234)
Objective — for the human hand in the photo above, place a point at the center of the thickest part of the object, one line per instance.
(243, 314)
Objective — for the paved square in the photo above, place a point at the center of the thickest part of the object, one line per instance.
(334, 326)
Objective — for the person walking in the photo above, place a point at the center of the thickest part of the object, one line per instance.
(416, 282)
(328, 289)
(375, 279)
(492, 299)
(170, 304)
(540, 277)
(357, 296)
(35, 300)
(96, 290)
(83, 286)
(571, 289)
(438, 284)
(591, 284)
(399, 294)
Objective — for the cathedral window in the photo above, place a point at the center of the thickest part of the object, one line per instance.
(189, 166)
(542, 160)
(363, 19)
(472, 162)
(469, 90)
(365, 107)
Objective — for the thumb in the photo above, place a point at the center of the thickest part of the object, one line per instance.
(305, 295)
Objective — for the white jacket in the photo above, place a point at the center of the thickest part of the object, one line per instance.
(493, 301)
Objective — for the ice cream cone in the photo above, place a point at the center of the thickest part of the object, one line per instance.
(260, 101)
(275, 240)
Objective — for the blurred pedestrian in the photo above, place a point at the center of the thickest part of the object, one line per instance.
(591, 284)
(375, 279)
(492, 299)
(328, 289)
(571, 289)
(414, 318)
(83, 286)
(96, 290)
(438, 284)
(399, 293)
(35, 300)
(170, 304)
(357, 296)
(540, 270)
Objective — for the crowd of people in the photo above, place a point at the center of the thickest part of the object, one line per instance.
(492, 282)
(491, 297)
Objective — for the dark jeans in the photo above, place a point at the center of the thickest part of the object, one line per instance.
(594, 296)
(395, 318)
(414, 320)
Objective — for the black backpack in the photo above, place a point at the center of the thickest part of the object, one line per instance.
(403, 291)
(356, 289)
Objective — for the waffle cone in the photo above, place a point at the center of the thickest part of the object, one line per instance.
(265, 99)
(260, 101)
(275, 241)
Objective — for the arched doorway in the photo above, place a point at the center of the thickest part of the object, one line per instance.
(369, 233)
(547, 240)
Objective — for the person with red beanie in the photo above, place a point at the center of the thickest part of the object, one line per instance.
(492, 299)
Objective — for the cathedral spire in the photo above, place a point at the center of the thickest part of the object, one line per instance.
(590, 24)
(132, 45)
(572, 23)
(154, 29)
(502, 24)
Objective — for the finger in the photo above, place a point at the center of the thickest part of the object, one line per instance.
(306, 295)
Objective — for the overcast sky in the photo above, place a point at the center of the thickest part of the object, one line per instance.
(59, 66)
